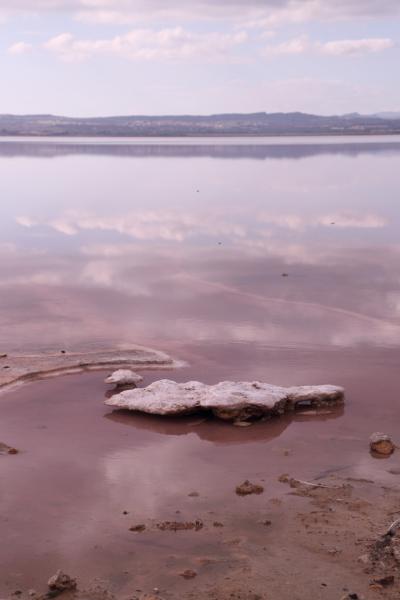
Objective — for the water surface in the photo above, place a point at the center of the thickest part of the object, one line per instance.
(275, 260)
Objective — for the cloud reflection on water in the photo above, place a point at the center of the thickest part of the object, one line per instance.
(183, 243)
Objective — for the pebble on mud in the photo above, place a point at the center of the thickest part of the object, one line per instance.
(180, 526)
(61, 582)
(380, 443)
(188, 574)
(266, 523)
(138, 528)
(382, 582)
(4, 449)
(247, 488)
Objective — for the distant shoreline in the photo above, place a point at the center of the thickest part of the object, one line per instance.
(17, 136)
(222, 125)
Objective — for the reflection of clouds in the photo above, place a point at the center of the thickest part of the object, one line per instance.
(147, 478)
(289, 254)
(142, 225)
(157, 293)
(176, 226)
(368, 221)
(349, 220)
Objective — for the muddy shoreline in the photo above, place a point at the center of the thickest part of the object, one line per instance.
(112, 480)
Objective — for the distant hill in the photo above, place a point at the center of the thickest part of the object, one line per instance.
(260, 124)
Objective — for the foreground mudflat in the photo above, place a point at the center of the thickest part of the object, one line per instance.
(125, 502)
(227, 400)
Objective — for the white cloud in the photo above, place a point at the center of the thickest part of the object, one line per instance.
(362, 46)
(19, 48)
(297, 45)
(302, 44)
(148, 44)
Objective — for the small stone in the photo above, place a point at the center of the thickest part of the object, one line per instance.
(124, 377)
(188, 574)
(364, 559)
(32, 592)
(218, 524)
(380, 443)
(247, 488)
(125, 512)
(138, 528)
(194, 495)
(5, 449)
(3, 355)
(61, 581)
(333, 550)
(180, 526)
(396, 554)
(383, 581)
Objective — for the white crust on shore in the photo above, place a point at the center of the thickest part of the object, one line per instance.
(227, 400)
(19, 368)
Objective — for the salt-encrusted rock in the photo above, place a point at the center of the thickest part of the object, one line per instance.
(227, 400)
(61, 581)
(123, 377)
(381, 444)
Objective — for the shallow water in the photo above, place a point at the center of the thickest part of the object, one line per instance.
(182, 246)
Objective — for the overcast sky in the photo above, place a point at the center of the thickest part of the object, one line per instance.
(103, 57)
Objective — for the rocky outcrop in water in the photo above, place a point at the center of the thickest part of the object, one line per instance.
(227, 400)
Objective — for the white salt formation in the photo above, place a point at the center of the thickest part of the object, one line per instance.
(226, 400)
(123, 377)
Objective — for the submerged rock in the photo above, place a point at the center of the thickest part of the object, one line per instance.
(381, 443)
(227, 400)
(4, 449)
(123, 377)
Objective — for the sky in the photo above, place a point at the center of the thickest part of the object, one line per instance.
(122, 57)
